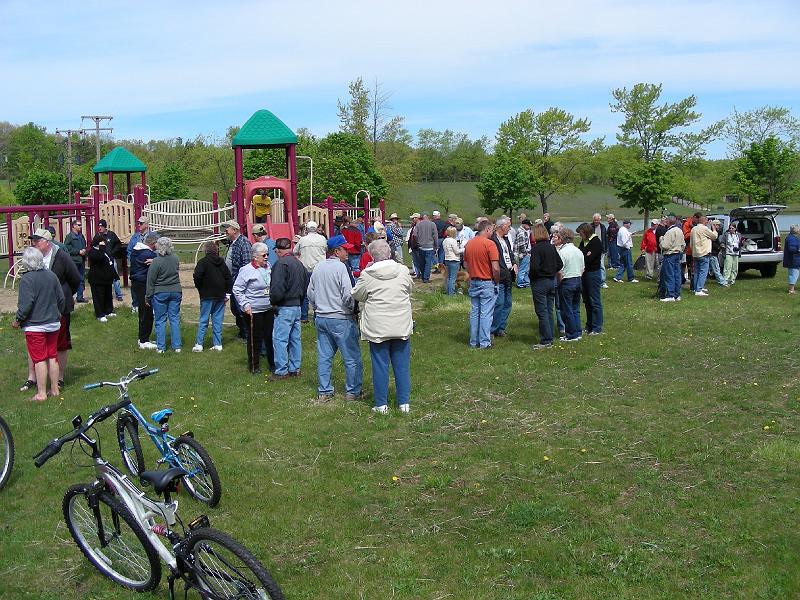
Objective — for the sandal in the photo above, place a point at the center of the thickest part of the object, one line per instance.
(27, 386)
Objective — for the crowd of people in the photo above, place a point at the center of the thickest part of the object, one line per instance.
(359, 287)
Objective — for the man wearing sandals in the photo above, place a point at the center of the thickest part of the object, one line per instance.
(41, 302)
(59, 262)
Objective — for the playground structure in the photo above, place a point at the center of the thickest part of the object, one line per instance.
(187, 221)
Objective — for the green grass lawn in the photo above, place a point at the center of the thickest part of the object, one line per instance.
(656, 461)
(463, 199)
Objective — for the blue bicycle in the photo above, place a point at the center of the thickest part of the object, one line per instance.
(201, 481)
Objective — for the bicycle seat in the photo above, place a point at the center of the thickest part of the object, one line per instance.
(161, 414)
(161, 480)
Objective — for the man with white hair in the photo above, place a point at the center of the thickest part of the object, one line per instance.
(237, 257)
(310, 249)
(441, 226)
(508, 272)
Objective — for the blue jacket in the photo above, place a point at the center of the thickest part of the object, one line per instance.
(140, 253)
(791, 252)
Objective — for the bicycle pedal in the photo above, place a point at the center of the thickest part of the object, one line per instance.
(198, 522)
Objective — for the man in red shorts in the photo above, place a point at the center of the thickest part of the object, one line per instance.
(39, 309)
(59, 262)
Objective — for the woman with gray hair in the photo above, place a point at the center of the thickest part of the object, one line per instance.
(251, 291)
(164, 295)
(39, 307)
(384, 292)
(212, 278)
(791, 255)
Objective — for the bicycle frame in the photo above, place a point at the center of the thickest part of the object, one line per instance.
(144, 509)
(161, 439)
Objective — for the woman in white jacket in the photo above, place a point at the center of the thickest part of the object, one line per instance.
(384, 293)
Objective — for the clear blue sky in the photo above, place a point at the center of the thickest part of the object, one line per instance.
(168, 69)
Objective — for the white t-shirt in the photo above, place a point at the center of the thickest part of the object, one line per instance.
(624, 238)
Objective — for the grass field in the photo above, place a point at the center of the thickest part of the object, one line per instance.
(656, 461)
(463, 199)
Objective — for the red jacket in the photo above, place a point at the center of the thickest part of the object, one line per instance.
(353, 236)
(649, 241)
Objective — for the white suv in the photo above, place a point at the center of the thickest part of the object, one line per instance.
(761, 238)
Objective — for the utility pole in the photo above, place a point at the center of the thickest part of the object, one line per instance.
(68, 133)
(97, 129)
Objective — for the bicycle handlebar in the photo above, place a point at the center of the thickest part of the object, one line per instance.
(139, 373)
(54, 447)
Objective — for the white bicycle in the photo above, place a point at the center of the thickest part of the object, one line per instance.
(125, 534)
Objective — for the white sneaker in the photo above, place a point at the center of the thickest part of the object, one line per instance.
(111, 315)
(177, 350)
(135, 310)
(604, 286)
(147, 346)
(668, 299)
(197, 348)
(704, 290)
(634, 281)
(404, 408)
(381, 409)
(160, 351)
(701, 293)
(678, 299)
(216, 348)
(103, 320)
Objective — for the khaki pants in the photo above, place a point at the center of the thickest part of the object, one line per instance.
(649, 264)
(731, 268)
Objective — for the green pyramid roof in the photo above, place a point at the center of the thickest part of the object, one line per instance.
(264, 129)
(119, 160)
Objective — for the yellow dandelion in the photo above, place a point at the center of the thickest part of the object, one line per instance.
(395, 478)
(546, 458)
(583, 450)
(766, 427)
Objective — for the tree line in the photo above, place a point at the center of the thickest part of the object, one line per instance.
(658, 153)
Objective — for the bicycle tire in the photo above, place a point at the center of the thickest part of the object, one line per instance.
(128, 558)
(221, 567)
(6, 452)
(203, 482)
(130, 446)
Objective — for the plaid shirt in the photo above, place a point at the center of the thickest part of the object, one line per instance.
(239, 254)
(522, 243)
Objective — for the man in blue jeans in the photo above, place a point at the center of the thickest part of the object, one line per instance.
(329, 291)
(482, 263)
(286, 291)
(624, 244)
(508, 272)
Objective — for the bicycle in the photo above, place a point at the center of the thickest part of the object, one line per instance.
(6, 453)
(125, 534)
(202, 482)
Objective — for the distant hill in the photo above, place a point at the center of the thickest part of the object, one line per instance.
(463, 199)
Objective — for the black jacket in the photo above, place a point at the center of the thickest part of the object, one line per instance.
(592, 253)
(114, 246)
(545, 261)
(68, 276)
(288, 285)
(212, 278)
(101, 270)
(139, 267)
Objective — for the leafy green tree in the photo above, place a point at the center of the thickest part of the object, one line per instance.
(644, 185)
(171, 181)
(768, 172)
(552, 145)
(344, 165)
(741, 129)
(510, 184)
(42, 187)
(656, 130)
(354, 116)
(29, 148)
(449, 156)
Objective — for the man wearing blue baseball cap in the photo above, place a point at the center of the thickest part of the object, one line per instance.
(335, 320)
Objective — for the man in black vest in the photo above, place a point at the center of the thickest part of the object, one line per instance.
(508, 272)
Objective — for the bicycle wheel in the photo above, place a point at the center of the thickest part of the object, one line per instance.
(221, 567)
(6, 452)
(120, 550)
(130, 446)
(202, 482)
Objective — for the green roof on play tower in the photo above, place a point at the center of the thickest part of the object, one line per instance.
(119, 160)
(264, 129)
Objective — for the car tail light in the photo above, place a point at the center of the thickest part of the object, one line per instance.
(776, 243)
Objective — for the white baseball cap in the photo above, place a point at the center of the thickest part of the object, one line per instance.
(311, 225)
